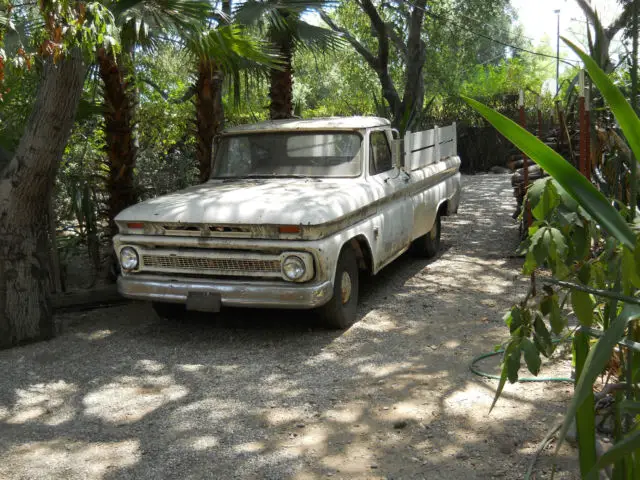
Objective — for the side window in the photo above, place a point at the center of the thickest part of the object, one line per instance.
(379, 153)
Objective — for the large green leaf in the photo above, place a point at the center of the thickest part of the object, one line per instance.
(585, 420)
(531, 356)
(512, 349)
(582, 307)
(542, 338)
(564, 173)
(546, 203)
(597, 359)
(626, 117)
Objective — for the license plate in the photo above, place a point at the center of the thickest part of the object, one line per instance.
(204, 301)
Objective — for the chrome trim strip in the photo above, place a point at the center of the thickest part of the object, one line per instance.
(233, 294)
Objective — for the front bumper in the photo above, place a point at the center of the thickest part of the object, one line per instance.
(232, 293)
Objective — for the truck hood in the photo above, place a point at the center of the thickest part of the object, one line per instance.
(257, 201)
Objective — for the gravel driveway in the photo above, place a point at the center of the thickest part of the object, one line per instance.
(269, 395)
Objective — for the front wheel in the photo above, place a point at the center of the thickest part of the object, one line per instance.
(340, 312)
(428, 245)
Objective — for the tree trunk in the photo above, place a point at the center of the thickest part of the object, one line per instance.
(119, 105)
(413, 99)
(25, 188)
(281, 87)
(209, 113)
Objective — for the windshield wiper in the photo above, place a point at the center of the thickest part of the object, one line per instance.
(277, 175)
(261, 176)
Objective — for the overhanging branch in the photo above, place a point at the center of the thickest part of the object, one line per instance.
(398, 42)
(380, 30)
(361, 49)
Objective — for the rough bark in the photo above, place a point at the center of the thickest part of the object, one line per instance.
(379, 63)
(281, 86)
(209, 106)
(119, 104)
(413, 98)
(209, 113)
(25, 189)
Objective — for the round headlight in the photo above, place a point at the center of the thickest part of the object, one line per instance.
(128, 258)
(293, 268)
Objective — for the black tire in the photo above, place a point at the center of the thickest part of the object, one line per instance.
(339, 314)
(169, 311)
(427, 246)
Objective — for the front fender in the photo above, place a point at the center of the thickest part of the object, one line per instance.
(330, 248)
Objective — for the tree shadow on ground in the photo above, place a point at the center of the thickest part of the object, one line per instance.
(267, 394)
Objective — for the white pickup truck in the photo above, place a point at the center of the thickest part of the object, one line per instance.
(294, 211)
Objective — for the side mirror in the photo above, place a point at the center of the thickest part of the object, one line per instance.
(395, 133)
(398, 153)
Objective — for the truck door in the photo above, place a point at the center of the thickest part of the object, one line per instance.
(395, 217)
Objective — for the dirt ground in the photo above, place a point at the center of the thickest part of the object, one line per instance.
(268, 395)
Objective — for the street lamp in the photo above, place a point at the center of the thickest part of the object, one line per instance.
(557, 12)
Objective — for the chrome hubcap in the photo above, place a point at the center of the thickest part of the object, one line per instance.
(345, 287)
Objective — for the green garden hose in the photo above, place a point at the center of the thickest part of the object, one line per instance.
(480, 373)
(554, 430)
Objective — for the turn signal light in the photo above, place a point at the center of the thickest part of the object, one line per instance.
(138, 225)
(289, 228)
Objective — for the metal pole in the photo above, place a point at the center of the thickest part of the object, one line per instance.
(539, 117)
(539, 105)
(560, 138)
(557, 12)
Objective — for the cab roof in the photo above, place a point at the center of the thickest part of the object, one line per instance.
(329, 123)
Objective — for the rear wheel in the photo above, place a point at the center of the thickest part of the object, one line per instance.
(340, 311)
(169, 311)
(428, 245)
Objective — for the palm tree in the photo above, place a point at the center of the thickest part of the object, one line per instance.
(141, 23)
(218, 52)
(286, 31)
(208, 90)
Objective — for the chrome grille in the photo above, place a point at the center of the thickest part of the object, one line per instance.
(227, 266)
(203, 230)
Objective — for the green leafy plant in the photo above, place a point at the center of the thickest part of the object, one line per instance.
(593, 256)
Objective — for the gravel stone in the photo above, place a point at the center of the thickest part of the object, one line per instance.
(400, 424)
(122, 394)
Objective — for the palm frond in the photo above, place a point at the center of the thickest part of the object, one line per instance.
(253, 11)
(283, 18)
(142, 21)
(274, 13)
(313, 37)
(231, 48)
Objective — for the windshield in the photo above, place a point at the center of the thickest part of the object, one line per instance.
(288, 154)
